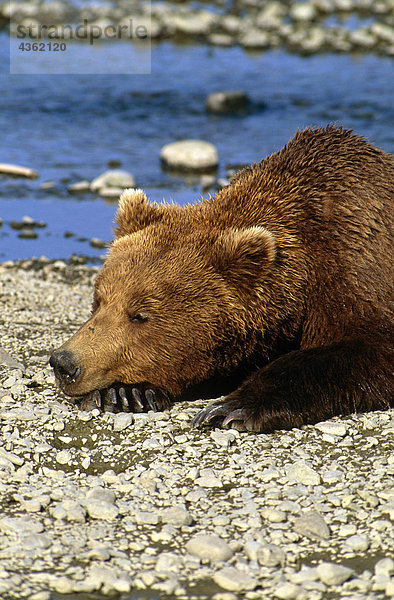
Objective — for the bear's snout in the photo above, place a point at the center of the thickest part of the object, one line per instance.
(64, 365)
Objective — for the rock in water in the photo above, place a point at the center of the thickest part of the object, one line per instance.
(190, 155)
(113, 178)
(227, 101)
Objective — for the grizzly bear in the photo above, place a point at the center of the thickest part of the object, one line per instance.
(283, 278)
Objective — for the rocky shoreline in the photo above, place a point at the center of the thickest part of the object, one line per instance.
(309, 27)
(109, 505)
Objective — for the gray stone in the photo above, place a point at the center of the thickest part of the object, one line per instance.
(209, 481)
(287, 591)
(332, 428)
(210, 547)
(333, 574)
(303, 11)
(122, 421)
(37, 541)
(12, 457)
(113, 178)
(357, 543)
(99, 509)
(146, 517)
(221, 39)
(231, 24)
(196, 24)
(149, 443)
(110, 193)
(8, 361)
(176, 515)
(270, 17)
(226, 101)
(332, 476)
(383, 32)
(234, 580)
(64, 457)
(20, 525)
(312, 525)
(17, 171)
(270, 555)
(79, 187)
(190, 155)
(385, 566)
(101, 493)
(254, 38)
(301, 472)
(273, 515)
(169, 562)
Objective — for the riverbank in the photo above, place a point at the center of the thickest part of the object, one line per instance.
(102, 506)
(302, 27)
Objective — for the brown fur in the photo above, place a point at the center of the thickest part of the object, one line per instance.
(287, 272)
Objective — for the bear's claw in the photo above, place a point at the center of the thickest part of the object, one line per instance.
(137, 398)
(126, 398)
(219, 410)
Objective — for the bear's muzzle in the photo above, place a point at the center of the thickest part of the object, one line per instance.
(64, 365)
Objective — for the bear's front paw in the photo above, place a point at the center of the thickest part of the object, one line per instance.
(239, 418)
(121, 397)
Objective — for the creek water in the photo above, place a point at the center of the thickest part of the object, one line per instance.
(69, 127)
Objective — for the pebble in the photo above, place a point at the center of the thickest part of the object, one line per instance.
(168, 562)
(122, 421)
(357, 543)
(17, 171)
(113, 178)
(176, 515)
(273, 515)
(234, 580)
(254, 39)
(209, 547)
(270, 555)
(79, 187)
(301, 472)
(385, 566)
(288, 591)
(99, 509)
(207, 182)
(333, 574)
(146, 517)
(28, 234)
(209, 481)
(190, 155)
(13, 458)
(226, 101)
(98, 243)
(101, 493)
(312, 525)
(332, 428)
(9, 361)
(110, 193)
(303, 11)
(194, 24)
(21, 525)
(69, 510)
(63, 457)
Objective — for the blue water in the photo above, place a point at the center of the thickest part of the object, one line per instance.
(69, 127)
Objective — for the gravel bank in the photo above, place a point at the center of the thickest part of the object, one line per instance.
(302, 27)
(100, 505)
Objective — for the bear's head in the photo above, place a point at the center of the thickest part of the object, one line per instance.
(173, 303)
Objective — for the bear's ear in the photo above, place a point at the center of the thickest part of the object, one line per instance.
(135, 212)
(244, 256)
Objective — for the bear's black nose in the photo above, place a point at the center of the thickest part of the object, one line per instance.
(64, 365)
